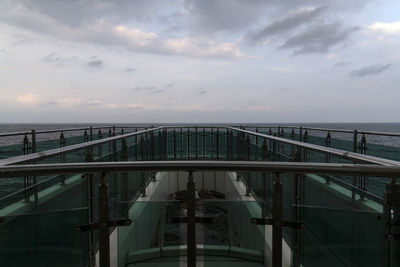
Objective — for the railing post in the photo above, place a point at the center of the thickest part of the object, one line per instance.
(191, 223)
(301, 134)
(363, 150)
(278, 223)
(355, 143)
(217, 143)
(85, 136)
(391, 210)
(104, 241)
(27, 180)
(188, 142)
(91, 133)
(174, 135)
(33, 141)
(327, 156)
(196, 147)
(204, 143)
(100, 147)
(62, 144)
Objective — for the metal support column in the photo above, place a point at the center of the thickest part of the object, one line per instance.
(104, 241)
(191, 221)
(278, 223)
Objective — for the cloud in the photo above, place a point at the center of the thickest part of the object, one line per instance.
(94, 63)
(150, 89)
(293, 20)
(387, 28)
(69, 101)
(29, 98)
(130, 38)
(129, 70)
(342, 64)
(370, 70)
(95, 103)
(203, 92)
(318, 39)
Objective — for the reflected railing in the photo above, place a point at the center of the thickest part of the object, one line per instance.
(294, 212)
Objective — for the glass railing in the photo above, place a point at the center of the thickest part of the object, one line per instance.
(236, 215)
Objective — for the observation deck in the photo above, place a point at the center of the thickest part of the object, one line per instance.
(199, 195)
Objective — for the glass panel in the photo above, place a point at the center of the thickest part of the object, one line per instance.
(44, 239)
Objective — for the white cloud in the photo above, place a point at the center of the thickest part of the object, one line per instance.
(29, 98)
(387, 28)
(131, 38)
(69, 101)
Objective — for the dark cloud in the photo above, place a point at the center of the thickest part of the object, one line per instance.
(233, 15)
(292, 21)
(370, 70)
(58, 60)
(129, 70)
(170, 85)
(149, 89)
(318, 39)
(95, 63)
(54, 59)
(77, 12)
(211, 15)
(94, 103)
(203, 92)
(342, 64)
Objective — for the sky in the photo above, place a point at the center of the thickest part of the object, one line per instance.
(199, 61)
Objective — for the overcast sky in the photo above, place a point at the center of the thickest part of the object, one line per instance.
(200, 61)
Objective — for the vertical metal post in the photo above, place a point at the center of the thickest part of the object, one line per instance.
(100, 147)
(248, 147)
(355, 143)
(363, 150)
(391, 209)
(181, 143)
(212, 143)
(277, 226)
(327, 156)
(165, 135)
(238, 146)
(113, 130)
(33, 141)
(301, 134)
(27, 181)
(196, 147)
(191, 223)
(188, 142)
(104, 241)
(62, 144)
(204, 143)
(91, 133)
(227, 144)
(217, 143)
(35, 190)
(174, 134)
(136, 145)
(85, 136)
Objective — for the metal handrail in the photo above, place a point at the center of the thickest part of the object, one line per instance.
(327, 150)
(71, 148)
(201, 165)
(320, 129)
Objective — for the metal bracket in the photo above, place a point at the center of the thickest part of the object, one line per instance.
(196, 220)
(269, 221)
(93, 226)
